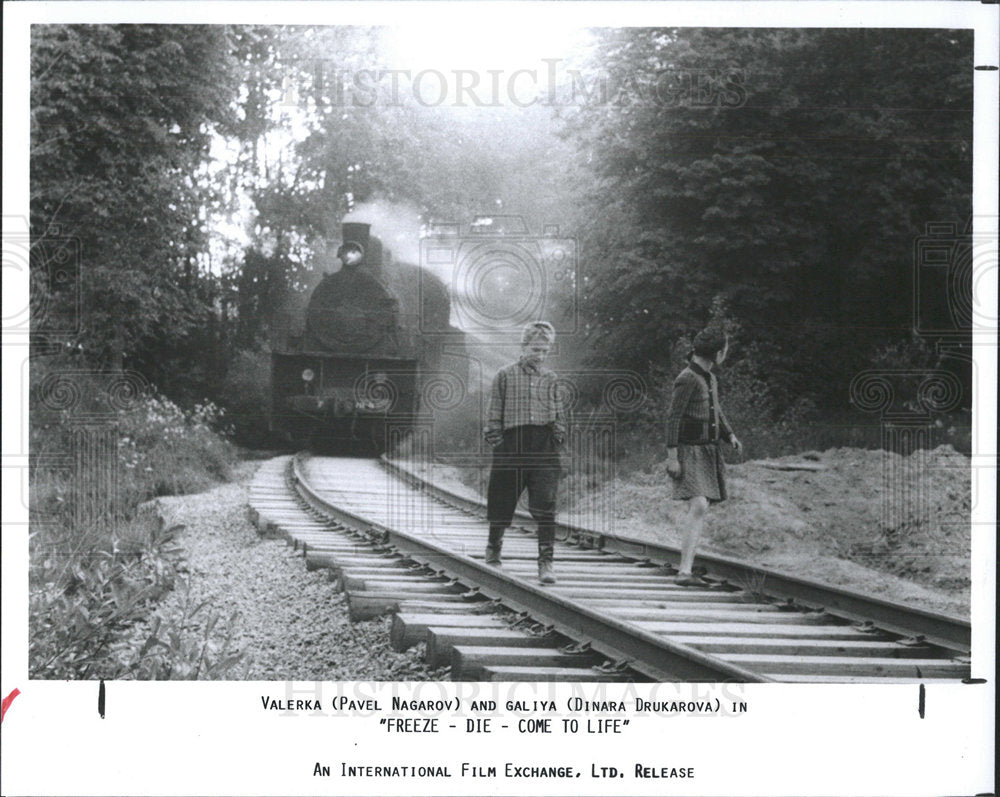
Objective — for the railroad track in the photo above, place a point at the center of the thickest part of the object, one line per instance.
(398, 545)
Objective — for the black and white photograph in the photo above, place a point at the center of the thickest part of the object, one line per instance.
(495, 398)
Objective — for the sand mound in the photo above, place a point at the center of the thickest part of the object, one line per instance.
(854, 517)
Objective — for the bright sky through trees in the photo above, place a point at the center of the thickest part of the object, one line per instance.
(508, 46)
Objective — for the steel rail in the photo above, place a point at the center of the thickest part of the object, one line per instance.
(947, 631)
(649, 654)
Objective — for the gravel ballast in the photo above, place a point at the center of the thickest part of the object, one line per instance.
(292, 623)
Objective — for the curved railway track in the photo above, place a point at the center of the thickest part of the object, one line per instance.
(397, 544)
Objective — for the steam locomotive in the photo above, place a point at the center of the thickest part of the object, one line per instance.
(374, 341)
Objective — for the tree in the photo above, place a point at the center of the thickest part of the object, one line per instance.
(121, 123)
(785, 172)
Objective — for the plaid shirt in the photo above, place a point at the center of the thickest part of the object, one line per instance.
(524, 395)
(695, 405)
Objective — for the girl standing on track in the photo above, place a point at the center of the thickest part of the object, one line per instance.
(695, 427)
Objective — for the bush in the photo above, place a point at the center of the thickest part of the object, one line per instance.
(100, 554)
(246, 391)
(196, 645)
(167, 451)
(772, 425)
(769, 418)
(84, 590)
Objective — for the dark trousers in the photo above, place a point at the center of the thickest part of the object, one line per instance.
(527, 459)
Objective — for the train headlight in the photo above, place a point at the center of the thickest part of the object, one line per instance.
(351, 253)
(308, 375)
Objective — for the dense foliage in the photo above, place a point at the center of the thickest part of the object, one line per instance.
(122, 119)
(774, 180)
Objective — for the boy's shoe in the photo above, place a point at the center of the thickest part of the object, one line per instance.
(689, 580)
(545, 574)
(493, 556)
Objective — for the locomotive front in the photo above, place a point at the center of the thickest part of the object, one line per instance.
(351, 371)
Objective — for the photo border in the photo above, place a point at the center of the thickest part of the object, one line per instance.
(212, 738)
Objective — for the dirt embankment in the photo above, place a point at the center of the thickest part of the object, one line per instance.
(869, 520)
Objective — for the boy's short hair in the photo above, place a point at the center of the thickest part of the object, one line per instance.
(538, 330)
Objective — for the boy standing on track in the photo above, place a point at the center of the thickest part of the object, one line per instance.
(526, 426)
(695, 425)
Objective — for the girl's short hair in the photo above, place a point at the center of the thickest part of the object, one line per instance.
(538, 330)
(709, 342)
